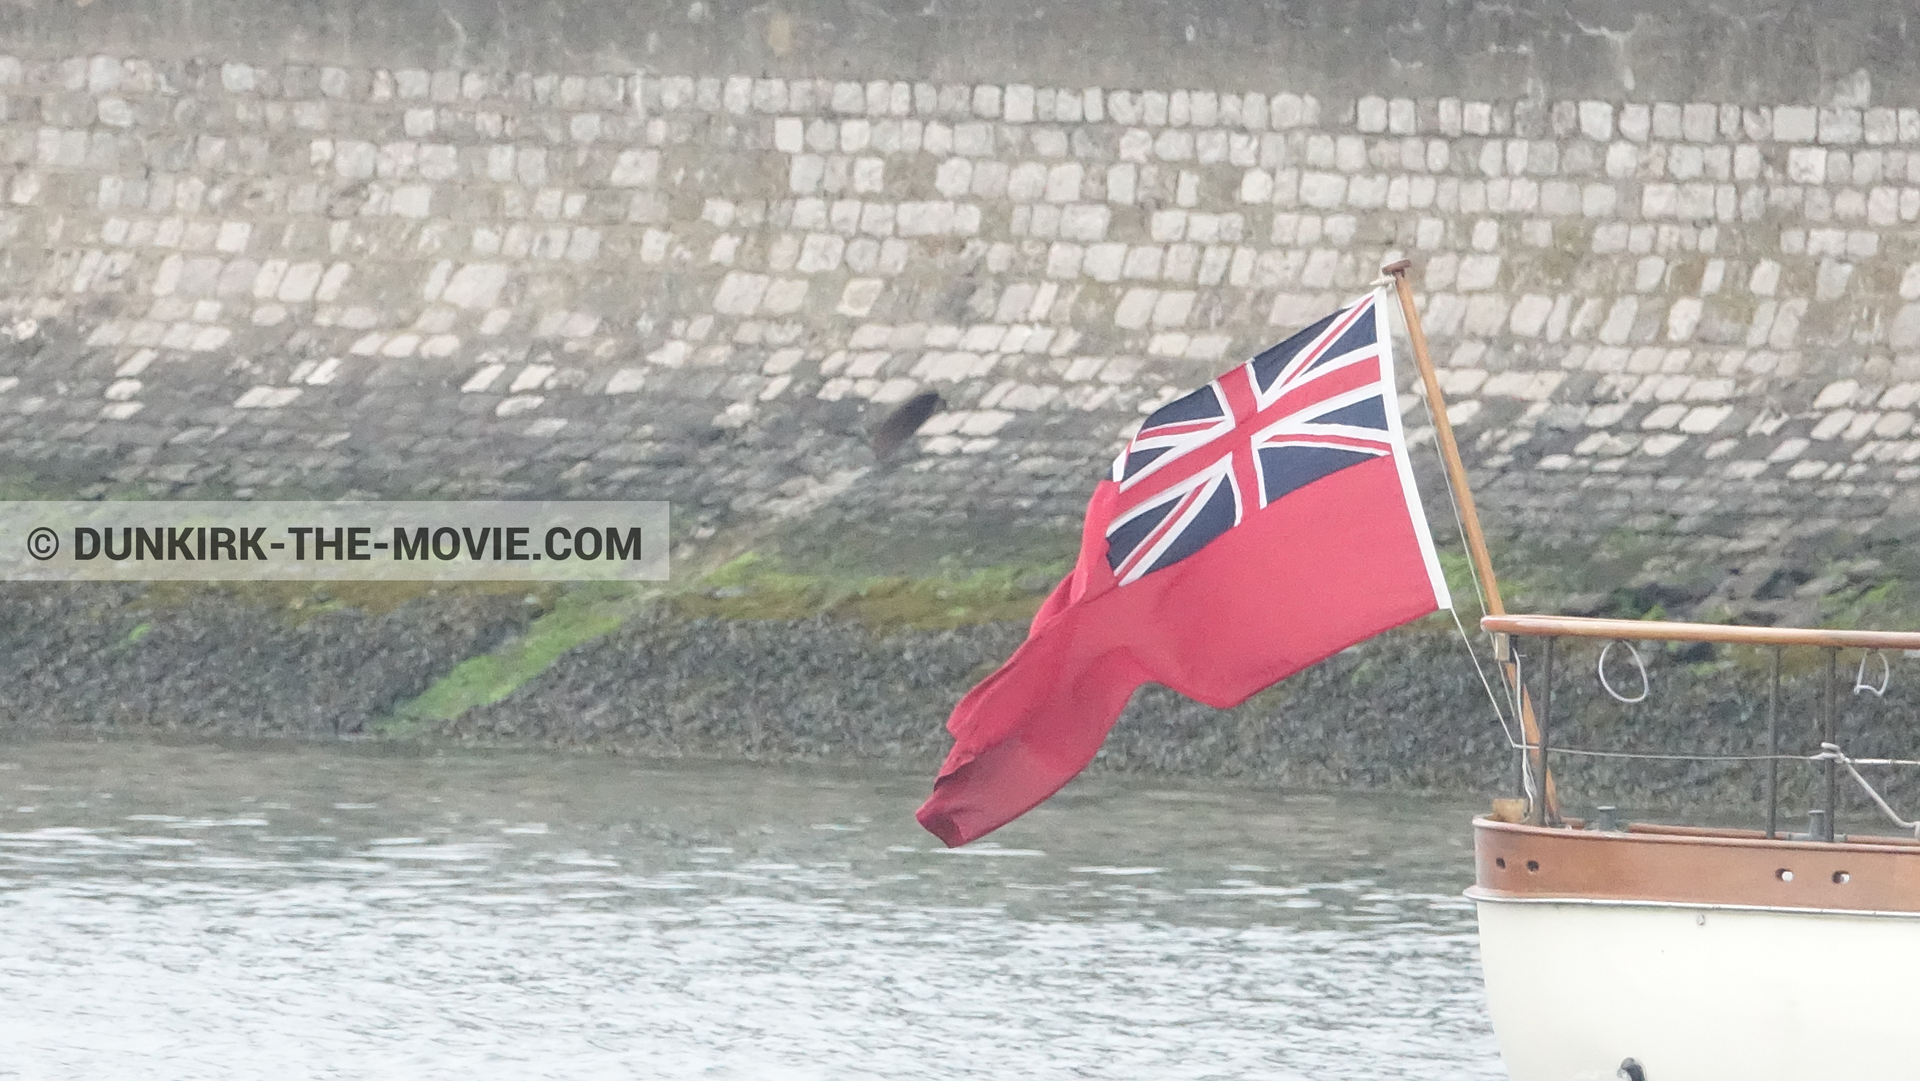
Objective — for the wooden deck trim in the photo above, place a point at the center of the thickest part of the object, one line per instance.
(1686, 865)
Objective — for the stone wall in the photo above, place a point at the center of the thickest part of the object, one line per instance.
(1667, 255)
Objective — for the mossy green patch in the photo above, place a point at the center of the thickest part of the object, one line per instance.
(1885, 605)
(139, 632)
(580, 615)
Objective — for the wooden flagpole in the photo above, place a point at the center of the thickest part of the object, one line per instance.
(1470, 523)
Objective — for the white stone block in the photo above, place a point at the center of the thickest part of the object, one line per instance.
(820, 252)
(1837, 125)
(1204, 108)
(1596, 120)
(1320, 268)
(354, 158)
(789, 135)
(1666, 416)
(1104, 262)
(332, 282)
(1795, 123)
(1371, 114)
(1256, 186)
(1904, 334)
(500, 163)
(298, 286)
(1623, 161)
(411, 201)
(1017, 107)
(783, 253)
(267, 397)
(475, 286)
(1063, 183)
(1882, 125)
(1350, 154)
(876, 219)
(530, 165)
(1174, 145)
(1700, 122)
(806, 173)
(1883, 207)
(1142, 262)
(1560, 198)
(1831, 425)
(986, 102)
(1323, 190)
(400, 345)
(1807, 165)
(893, 256)
(1476, 117)
(1367, 192)
(1173, 307)
(1635, 122)
(1529, 315)
(1830, 281)
(822, 135)
(989, 179)
(1180, 108)
(1666, 124)
(1478, 272)
(953, 177)
(984, 422)
(1136, 308)
(1153, 108)
(1683, 318)
(924, 218)
(236, 78)
(855, 135)
(1892, 425)
(1027, 182)
(1402, 116)
(1085, 222)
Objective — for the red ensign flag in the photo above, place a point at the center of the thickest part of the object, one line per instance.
(1252, 528)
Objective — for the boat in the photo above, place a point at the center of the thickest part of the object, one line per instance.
(1661, 952)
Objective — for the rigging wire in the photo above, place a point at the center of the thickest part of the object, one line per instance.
(1479, 590)
(1833, 752)
(1527, 780)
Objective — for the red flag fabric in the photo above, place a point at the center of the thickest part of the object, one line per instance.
(1250, 529)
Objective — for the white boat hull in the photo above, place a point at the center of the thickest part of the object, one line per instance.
(1700, 992)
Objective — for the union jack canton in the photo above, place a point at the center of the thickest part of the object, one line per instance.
(1306, 408)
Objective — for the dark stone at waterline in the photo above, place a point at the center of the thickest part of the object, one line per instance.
(97, 658)
(1402, 713)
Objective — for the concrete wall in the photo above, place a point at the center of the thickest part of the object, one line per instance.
(1667, 253)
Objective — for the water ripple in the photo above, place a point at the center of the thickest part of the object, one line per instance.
(205, 913)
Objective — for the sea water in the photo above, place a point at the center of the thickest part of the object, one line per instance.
(287, 912)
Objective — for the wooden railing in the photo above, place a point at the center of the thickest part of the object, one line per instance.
(1639, 630)
(1553, 628)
